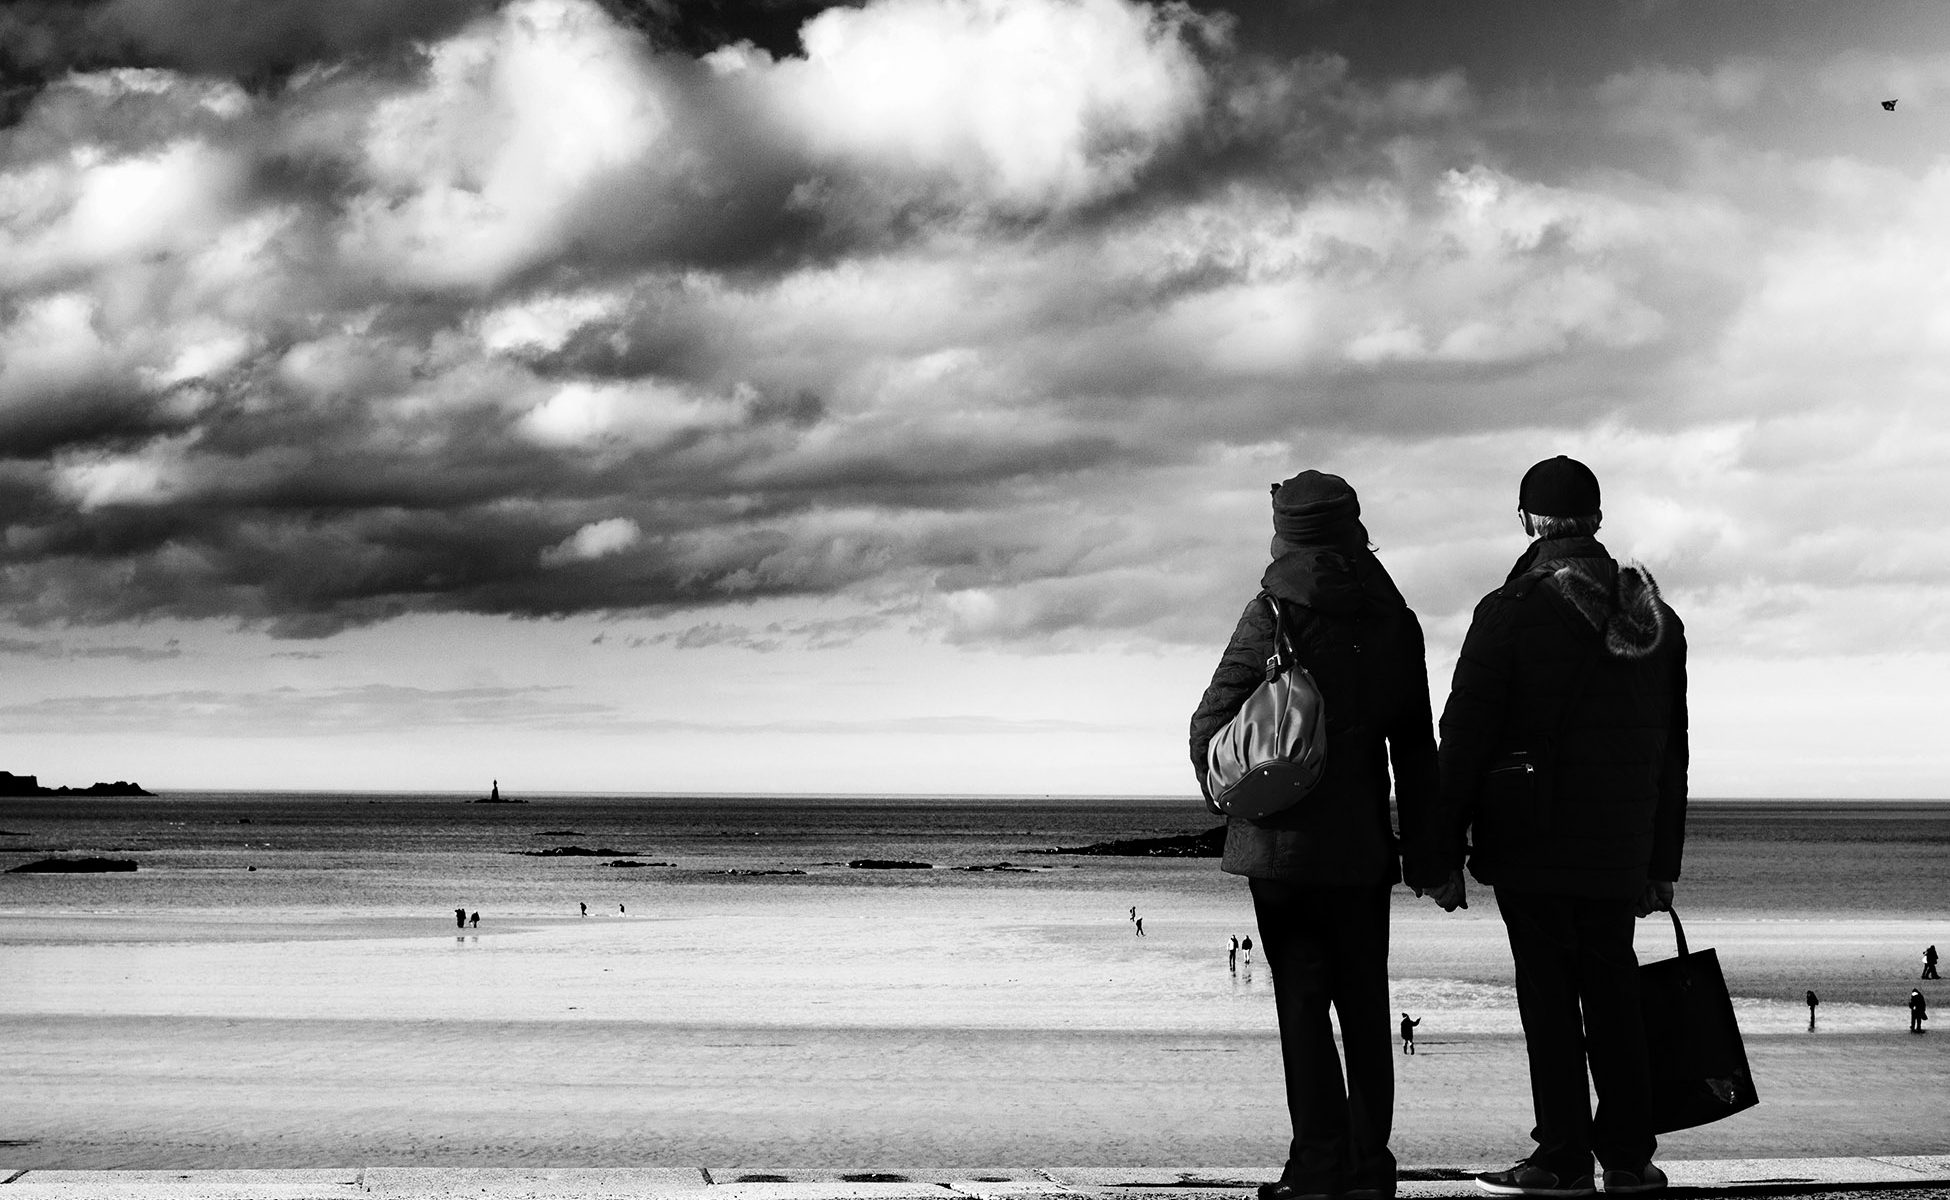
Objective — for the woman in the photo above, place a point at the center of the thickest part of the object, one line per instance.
(1320, 872)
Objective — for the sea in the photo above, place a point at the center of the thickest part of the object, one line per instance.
(653, 979)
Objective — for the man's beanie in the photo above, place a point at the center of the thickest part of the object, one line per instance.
(1314, 508)
(1558, 487)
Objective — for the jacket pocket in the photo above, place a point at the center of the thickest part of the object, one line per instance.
(1517, 794)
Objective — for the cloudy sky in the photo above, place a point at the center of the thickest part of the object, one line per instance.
(662, 396)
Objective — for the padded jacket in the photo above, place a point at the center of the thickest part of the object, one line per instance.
(1577, 667)
(1352, 631)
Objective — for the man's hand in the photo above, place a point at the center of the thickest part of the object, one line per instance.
(1453, 894)
(1657, 897)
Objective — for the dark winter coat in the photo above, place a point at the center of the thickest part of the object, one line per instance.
(1577, 668)
(1352, 631)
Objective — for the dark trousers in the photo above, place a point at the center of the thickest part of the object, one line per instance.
(1578, 994)
(1329, 946)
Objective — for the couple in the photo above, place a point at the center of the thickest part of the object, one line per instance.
(1561, 777)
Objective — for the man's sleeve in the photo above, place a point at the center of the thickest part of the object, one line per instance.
(1472, 724)
(1669, 819)
(1411, 741)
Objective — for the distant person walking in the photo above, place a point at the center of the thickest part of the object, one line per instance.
(1246, 948)
(1929, 963)
(1319, 873)
(1138, 922)
(585, 908)
(1408, 1033)
(475, 920)
(1564, 750)
(460, 918)
(1232, 953)
(1919, 1011)
(1813, 1000)
(1133, 912)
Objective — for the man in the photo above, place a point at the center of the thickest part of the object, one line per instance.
(1320, 871)
(1564, 755)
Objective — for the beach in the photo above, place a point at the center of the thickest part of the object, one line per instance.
(197, 1014)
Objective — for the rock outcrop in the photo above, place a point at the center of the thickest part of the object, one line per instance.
(30, 785)
(73, 866)
(1210, 844)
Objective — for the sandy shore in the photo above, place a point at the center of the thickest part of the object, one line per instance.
(185, 1092)
(844, 1027)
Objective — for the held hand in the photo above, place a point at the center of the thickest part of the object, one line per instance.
(1657, 897)
(1453, 894)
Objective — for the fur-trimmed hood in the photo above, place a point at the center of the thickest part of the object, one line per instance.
(1625, 608)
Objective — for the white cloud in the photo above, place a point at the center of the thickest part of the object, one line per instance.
(1026, 104)
(150, 476)
(477, 172)
(543, 323)
(637, 414)
(595, 540)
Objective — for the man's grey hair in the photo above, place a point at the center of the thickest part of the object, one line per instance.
(1563, 527)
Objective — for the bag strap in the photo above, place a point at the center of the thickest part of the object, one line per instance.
(1678, 932)
(1283, 655)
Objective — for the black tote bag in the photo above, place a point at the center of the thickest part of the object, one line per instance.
(1699, 1066)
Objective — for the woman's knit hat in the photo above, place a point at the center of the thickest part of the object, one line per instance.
(1317, 509)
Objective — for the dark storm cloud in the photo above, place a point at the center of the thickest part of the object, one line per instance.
(551, 307)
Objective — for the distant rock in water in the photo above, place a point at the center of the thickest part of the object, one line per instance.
(631, 862)
(73, 866)
(574, 852)
(1210, 844)
(888, 864)
(30, 785)
(745, 871)
(494, 796)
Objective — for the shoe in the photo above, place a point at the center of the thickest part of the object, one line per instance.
(1639, 1182)
(1282, 1190)
(1530, 1179)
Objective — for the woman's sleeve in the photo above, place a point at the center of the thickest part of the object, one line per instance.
(1240, 670)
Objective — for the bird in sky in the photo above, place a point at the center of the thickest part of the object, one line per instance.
(1889, 106)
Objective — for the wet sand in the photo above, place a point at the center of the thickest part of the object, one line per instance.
(760, 1027)
(182, 1092)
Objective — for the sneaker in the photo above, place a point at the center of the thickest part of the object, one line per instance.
(1637, 1182)
(1528, 1178)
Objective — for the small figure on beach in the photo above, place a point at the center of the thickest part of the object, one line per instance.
(1564, 750)
(1320, 888)
(1408, 1033)
(1929, 963)
(620, 910)
(1232, 953)
(1919, 1011)
(585, 909)
(1133, 912)
(494, 793)
(1812, 1001)
(1138, 923)
(475, 920)
(460, 918)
